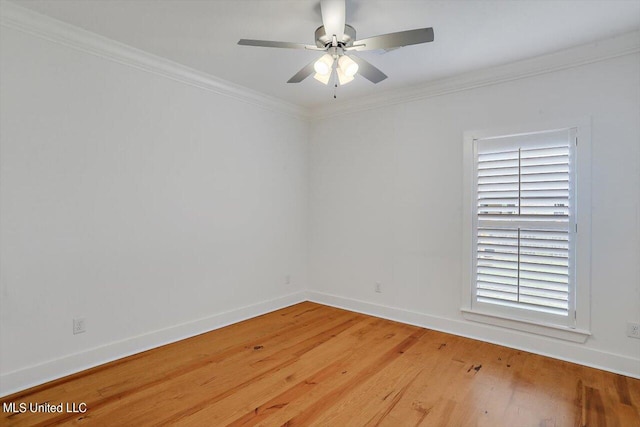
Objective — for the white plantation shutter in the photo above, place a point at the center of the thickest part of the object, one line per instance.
(524, 222)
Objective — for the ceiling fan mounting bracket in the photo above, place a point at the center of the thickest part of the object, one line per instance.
(323, 40)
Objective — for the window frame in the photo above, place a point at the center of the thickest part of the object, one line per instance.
(578, 328)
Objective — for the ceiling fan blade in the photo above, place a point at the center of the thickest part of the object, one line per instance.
(333, 17)
(268, 43)
(368, 71)
(305, 72)
(392, 40)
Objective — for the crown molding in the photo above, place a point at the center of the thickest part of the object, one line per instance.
(25, 20)
(625, 44)
(28, 21)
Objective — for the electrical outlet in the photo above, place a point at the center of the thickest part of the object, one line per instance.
(633, 330)
(79, 325)
(378, 287)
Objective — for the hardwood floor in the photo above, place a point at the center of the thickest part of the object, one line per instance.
(310, 364)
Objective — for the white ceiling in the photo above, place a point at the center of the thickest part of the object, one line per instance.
(469, 34)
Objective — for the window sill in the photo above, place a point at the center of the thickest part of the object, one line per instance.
(554, 331)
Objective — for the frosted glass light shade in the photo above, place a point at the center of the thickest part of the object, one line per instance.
(324, 65)
(348, 66)
(322, 78)
(342, 77)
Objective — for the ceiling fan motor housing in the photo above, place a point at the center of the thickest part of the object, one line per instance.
(323, 40)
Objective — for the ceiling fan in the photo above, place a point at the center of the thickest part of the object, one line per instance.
(338, 41)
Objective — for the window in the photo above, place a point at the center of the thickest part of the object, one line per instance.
(523, 237)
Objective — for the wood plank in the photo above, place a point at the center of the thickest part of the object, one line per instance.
(217, 379)
(115, 381)
(310, 364)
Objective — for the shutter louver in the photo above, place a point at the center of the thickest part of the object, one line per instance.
(523, 217)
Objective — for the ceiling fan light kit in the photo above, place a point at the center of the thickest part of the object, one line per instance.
(336, 38)
(345, 67)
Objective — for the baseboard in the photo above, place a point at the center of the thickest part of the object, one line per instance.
(545, 346)
(39, 374)
(35, 375)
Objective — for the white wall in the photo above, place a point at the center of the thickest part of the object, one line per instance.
(386, 204)
(152, 208)
(157, 209)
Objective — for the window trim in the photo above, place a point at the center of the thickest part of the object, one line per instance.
(579, 331)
